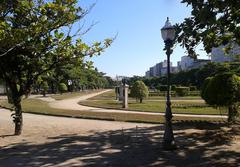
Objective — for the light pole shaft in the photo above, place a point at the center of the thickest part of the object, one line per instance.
(168, 103)
(168, 138)
(168, 76)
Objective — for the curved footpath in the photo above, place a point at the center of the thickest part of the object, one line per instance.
(72, 104)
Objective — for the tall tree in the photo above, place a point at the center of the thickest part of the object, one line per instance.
(35, 37)
(213, 23)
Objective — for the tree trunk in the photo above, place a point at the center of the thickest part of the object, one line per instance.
(44, 93)
(141, 100)
(232, 113)
(18, 119)
(16, 101)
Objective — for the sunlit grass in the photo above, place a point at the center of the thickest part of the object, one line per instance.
(41, 107)
(184, 105)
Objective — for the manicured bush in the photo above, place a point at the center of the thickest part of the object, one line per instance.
(182, 91)
(139, 90)
(62, 87)
(45, 87)
(223, 90)
(173, 87)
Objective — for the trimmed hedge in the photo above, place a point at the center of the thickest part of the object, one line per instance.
(182, 91)
(194, 93)
(173, 93)
(193, 88)
(162, 87)
(62, 87)
(173, 87)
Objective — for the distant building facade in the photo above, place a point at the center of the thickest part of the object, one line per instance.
(218, 54)
(199, 63)
(188, 63)
(185, 63)
(160, 69)
(147, 74)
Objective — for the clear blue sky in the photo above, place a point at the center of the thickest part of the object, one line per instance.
(138, 22)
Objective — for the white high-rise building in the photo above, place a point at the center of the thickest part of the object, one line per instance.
(218, 54)
(186, 62)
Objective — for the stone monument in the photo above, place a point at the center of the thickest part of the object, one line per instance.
(125, 97)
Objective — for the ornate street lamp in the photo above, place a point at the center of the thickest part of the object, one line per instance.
(168, 35)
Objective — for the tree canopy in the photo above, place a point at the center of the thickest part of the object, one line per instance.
(212, 22)
(37, 36)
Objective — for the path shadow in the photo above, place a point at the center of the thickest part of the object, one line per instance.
(7, 135)
(136, 147)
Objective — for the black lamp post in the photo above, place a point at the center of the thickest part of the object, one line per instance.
(168, 35)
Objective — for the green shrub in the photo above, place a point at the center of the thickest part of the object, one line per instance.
(193, 88)
(194, 93)
(173, 93)
(182, 91)
(45, 88)
(155, 94)
(223, 90)
(162, 87)
(62, 87)
(173, 87)
(139, 90)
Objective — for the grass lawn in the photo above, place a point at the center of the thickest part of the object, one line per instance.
(41, 107)
(111, 95)
(179, 105)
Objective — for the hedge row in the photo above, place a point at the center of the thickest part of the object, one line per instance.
(173, 88)
(174, 93)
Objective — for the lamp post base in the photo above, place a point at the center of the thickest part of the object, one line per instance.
(169, 145)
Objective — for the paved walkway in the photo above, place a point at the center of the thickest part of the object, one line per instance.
(58, 142)
(72, 104)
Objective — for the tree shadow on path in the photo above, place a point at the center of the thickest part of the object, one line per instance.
(130, 147)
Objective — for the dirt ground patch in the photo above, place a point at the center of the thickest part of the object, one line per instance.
(55, 141)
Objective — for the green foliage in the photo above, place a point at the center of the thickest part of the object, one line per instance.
(222, 90)
(212, 23)
(36, 36)
(211, 69)
(193, 77)
(163, 93)
(204, 87)
(182, 91)
(173, 87)
(193, 88)
(45, 86)
(139, 90)
(62, 87)
(194, 93)
(162, 87)
(18, 87)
